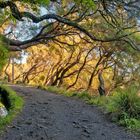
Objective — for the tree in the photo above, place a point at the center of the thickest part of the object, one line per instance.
(73, 14)
(98, 33)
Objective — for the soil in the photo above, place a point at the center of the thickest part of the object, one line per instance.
(48, 116)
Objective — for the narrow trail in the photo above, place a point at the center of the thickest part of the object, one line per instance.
(47, 116)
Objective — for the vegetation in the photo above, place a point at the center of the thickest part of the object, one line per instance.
(3, 52)
(82, 48)
(126, 106)
(123, 106)
(15, 108)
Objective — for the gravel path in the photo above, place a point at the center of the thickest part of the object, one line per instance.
(47, 116)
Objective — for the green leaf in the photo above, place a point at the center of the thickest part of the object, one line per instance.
(3, 52)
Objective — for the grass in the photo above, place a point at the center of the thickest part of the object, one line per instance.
(57, 90)
(99, 101)
(82, 95)
(16, 106)
(123, 106)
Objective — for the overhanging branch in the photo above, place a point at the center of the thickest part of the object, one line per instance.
(36, 19)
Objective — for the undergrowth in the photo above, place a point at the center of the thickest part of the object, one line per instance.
(16, 106)
(125, 104)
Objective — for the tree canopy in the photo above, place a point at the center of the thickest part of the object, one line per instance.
(75, 41)
(82, 16)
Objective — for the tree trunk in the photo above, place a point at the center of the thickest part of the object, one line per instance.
(13, 70)
(101, 87)
(6, 73)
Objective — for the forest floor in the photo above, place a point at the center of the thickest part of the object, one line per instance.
(47, 116)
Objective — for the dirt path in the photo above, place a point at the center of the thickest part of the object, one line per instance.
(47, 116)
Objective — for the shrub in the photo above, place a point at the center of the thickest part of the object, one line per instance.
(126, 101)
(125, 104)
(130, 123)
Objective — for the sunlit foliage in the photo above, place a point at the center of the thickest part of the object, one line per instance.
(3, 52)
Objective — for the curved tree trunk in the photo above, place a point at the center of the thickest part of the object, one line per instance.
(6, 73)
(93, 73)
(13, 69)
(101, 87)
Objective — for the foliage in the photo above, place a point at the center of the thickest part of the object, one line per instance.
(123, 106)
(16, 106)
(130, 123)
(87, 3)
(126, 101)
(3, 52)
(48, 65)
(40, 2)
(81, 19)
(1, 105)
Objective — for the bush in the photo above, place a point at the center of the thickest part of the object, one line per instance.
(130, 123)
(125, 104)
(126, 101)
